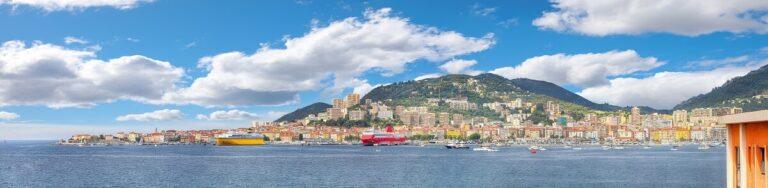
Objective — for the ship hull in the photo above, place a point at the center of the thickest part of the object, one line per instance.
(369, 140)
(239, 141)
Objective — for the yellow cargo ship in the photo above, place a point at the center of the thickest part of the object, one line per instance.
(252, 139)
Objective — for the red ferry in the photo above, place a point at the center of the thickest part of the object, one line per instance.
(371, 138)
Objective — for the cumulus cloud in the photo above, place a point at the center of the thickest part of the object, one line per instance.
(159, 115)
(427, 76)
(70, 40)
(364, 88)
(8, 115)
(664, 89)
(681, 17)
(333, 56)
(460, 66)
(57, 5)
(224, 115)
(584, 70)
(46, 74)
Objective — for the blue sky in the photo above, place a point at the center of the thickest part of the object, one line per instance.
(606, 56)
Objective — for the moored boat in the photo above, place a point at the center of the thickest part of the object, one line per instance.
(488, 149)
(238, 139)
(371, 138)
(703, 147)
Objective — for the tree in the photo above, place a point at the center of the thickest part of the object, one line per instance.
(350, 138)
(474, 136)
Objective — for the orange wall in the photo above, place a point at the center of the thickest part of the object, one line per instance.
(756, 137)
(733, 137)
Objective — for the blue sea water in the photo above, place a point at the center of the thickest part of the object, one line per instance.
(43, 164)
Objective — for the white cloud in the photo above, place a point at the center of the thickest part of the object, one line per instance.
(70, 40)
(8, 115)
(681, 17)
(508, 23)
(460, 66)
(364, 88)
(708, 63)
(331, 57)
(664, 89)
(584, 70)
(223, 115)
(482, 11)
(229, 115)
(159, 115)
(427, 76)
(56, 5)
(191, 44)
(46, 74)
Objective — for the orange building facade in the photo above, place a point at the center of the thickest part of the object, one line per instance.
(746, 152)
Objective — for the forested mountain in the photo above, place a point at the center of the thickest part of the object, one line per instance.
(483, 88)
(301, 113)
(749, 92)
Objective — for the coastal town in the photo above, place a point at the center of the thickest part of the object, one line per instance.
(514, 125)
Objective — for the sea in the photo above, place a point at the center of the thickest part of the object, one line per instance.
(45, 164)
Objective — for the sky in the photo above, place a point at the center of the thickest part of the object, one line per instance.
(102, 66)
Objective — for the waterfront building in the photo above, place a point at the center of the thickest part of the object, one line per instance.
(339, 103)
(746, 149)
(384, 114)
(356, 115)
(443, 118)
(679, 118)
(337, 113)
(457, 119)
(353, 99)
(635, 118)
(427, 119)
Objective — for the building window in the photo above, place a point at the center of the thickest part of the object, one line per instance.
(762, 160)
(738, 158)
(738, 168)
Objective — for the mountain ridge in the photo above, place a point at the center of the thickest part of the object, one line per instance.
(303, 112)
(750, 92)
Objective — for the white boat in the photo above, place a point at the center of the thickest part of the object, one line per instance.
(606, 147)
(703, 147)
(647, 147)
(674, 148)
(488, 149)
(533, 148)
(618, 147)
(577, 148)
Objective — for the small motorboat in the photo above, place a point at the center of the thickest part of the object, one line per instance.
(618, 147)
(647, 147)
(457, 146)
(674, 148)
(577, 148)
(703, 147)
(488, 149)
